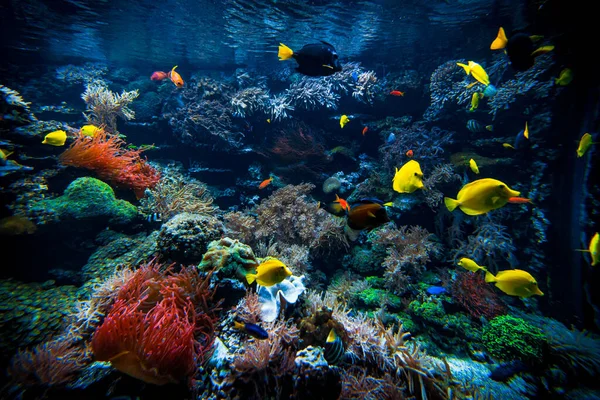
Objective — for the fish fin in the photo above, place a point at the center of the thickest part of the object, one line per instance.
(542, 50)
(327, 66)
(389, 204)
(489, 277)
(470, 85)
(500, 41)
(465, 67)
(250, 278)
(526, 131)
(285, 53)
(451, 204)
(490, 128)
(8, 153)
(332, 336)
(370, 214)
(238, 325)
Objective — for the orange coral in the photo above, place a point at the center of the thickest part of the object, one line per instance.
(104, 154)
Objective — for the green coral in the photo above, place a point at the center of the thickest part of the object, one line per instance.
(228, 255)
(89, 199)
(373, 298)
(509, 338)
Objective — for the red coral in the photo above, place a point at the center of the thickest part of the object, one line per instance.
(104, 154)
(297, 142)
(472, 292)
(160, 327)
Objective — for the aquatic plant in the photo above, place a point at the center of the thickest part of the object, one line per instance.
(509, 338)
(175, 193)
(480, 300)
(53, 363)
(407, 250)
(104, 106)
(160, 327)
(248, 101)
(107, 156)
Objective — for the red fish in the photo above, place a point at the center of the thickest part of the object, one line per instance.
(158, 76)
(365, 130)
(519, 200)
(175, 77)
(343, 203)
(265, 183)
(396, 93)
(409, 154)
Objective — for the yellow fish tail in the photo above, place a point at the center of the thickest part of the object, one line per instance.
(489, 277)
(238, 325)
(451, 204)
(250, 278)
(466, 68)
(490, 128)
(389, 204)
(500, 41)
(285, 53)
(542, 50)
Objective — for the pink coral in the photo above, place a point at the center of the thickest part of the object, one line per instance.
(477, 297)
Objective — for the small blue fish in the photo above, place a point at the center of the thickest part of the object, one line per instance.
(355, 76)
(391, 138)
(436, 290)
(251, 329)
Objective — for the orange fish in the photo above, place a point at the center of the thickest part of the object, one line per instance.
(519, 200)
(396, 93)
(409, 154)
(158, 76)
(342, 202)
(175, 77)
(265, 183)
(365, 130)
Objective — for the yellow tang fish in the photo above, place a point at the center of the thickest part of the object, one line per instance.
(515, 282)
(408, 178)
(594, 249)
(56, 138)
(476, 71)
(526, 131)
(473, 166)
(584, 144)
(270, 272)
(508, 146)
(89, 130)
(481, 196)
(344, 120)
(470, 265)
(564, 78)
(475, 101)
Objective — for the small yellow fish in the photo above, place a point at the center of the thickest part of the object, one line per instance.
(526, 131)
(268, 120)
(473, 166)
(408, 178)
(542, 50)
(508, 146)
(56, 138)
(515, 282)
(594, 249)
(475, 101)
(584, 144)
(500, 41)
(89, 130)
(481, 196)
(344, 120)
(470, 265)
(564, 78)
(476, 71)
(270, 272)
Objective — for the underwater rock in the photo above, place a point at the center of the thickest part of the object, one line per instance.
(147, 106)
(269, 297)
(86, 200)
(186, 236)
(312, 357)
(221, 357)
(230, 256)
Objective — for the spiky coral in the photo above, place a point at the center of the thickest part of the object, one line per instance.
(106, 156)
(478, 298)
(161, 325)
(248, 101)
(104, 106)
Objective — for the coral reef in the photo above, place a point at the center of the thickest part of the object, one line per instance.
(13, 109)
(480, 300)
(447, 89)
(248, 101)
(508, 338)
(185, 237)
(104, 106)
(87, 73)
(86, 200)
(230, 256)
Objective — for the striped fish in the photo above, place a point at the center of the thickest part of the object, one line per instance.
(334, 348)
(476, 126)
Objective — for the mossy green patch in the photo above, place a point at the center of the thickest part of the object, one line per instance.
(373, 298)
(509, 338)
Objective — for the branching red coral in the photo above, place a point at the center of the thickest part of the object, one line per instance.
(477, 297)
(161, 326)
(104, 154)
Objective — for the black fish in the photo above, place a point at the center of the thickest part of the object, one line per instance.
(318, 59)
(520, 49)
(251, 329)
(367, 214)
(334, 348)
